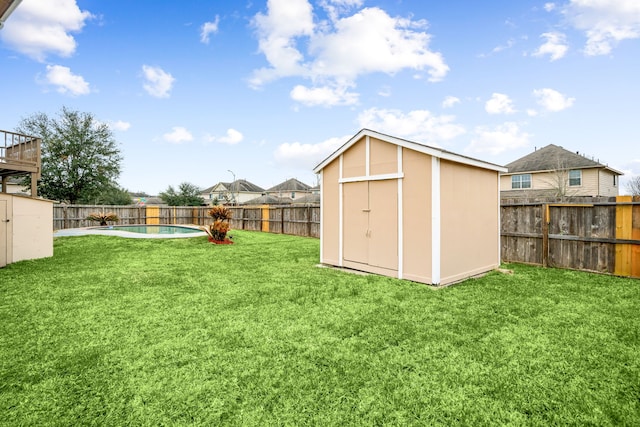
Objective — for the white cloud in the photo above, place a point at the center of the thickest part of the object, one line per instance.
(499, 104)
(335, 8)
(178, 135)
(372, 41)
(552, 100)
(555, 46)
(417, 125)
(38, 28)
(339, 51)
(325, 96)
(604, 22)
(232, 137)
(120, 125)
(66, 82)
(158, 83)
(549, 6)
(505, 137)
(306, 156)
(277, 30)
(450, 101)
(209, 28)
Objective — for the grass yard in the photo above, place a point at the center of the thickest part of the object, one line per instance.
(114, 331)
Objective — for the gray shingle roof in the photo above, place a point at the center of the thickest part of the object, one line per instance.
(268, 200)
(237, 186)
(290, 185)
(551, 157)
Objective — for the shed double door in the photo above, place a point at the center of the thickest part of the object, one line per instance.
(370, 223)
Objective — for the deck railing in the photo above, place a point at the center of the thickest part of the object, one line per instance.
(19, 153)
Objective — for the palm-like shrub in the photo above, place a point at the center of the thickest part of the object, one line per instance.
(103, 217)
(220, 227)
(220, 212)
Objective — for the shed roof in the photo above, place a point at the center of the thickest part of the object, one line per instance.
(416, 146)
(290, 185)
(553, 157)
(6, 8)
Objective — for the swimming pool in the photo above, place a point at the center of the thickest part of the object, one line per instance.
(140, 231)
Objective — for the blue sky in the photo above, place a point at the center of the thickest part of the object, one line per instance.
(267, 89)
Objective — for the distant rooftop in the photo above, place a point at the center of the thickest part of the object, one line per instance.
(553, 157)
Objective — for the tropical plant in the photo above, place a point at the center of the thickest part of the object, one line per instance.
(218, 230)
(103, 217)
(220, 212)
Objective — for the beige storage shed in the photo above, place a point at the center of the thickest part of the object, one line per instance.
(26, 228)
(404, 209)
(26, 222)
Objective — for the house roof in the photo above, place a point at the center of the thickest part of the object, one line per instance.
(239, 185)
(290, 185)
(268, 199)
(311, 199)
(553, 157)
(6, 8)
(416, 146)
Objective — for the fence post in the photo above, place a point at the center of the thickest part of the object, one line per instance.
(281, 220)
(264, 216)
(546, 218)
(624, 230)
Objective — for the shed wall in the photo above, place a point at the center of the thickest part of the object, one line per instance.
(416, 193)
(29, 232)
(469, 221)
(330, 214)
(32, 228)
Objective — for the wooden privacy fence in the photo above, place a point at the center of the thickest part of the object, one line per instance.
(296, 220)
(602, 237)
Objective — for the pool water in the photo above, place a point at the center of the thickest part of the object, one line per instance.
(152, 229)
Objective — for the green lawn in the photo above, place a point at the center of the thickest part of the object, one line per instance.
(114, 331)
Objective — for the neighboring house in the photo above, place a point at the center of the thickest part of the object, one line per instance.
(291, 189)
(236, 192)
(552, 171)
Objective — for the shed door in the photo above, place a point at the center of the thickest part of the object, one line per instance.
(370, 223)
(4, 233)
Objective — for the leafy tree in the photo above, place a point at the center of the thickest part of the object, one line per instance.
(633, 186)
(80, 157)
(187, 195)
(112, 195)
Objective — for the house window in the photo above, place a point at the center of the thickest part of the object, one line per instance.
(293, 195)
(521, 181)
(575, 178)
(615, 180)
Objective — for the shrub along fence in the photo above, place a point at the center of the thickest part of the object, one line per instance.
(296, 220)
(603, 236)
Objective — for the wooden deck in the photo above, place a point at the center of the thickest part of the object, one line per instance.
(19, 155)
